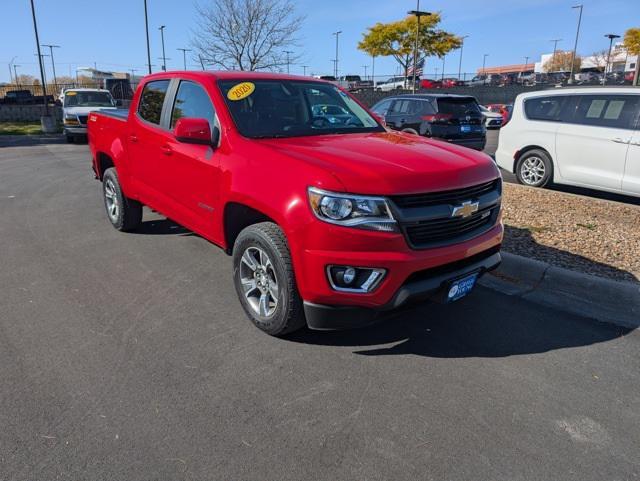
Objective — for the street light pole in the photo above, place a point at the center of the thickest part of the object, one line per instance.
(365, 71)
(443, 59)
(304, 70)
(146, 28)
(184, 56)
(460, 63)
(44, 86)
(15, 74)
(337, 34)
(575, 45)
(418, 14)
(610, 36)
(53, 64)
(484, 62)
(164, 57)
(555, 49)
(288, 63)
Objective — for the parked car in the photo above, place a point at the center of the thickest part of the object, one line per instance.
(479, 80)
(492, 120)
(328, 224)
(397, 83)
(586, 137)
(503, 109)
(335, 114)
(428, 84)
(354, 83)
(452, 82)
(23, 97)
(452, 118)
(76, 106)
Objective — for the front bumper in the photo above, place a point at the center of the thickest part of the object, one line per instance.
(429, 284)
(75, 130)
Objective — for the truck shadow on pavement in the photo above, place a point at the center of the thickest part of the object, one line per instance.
(161, 227)
(486, 324)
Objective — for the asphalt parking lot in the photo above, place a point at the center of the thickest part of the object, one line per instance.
(127, 356)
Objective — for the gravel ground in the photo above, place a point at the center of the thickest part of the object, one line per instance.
(588, 235)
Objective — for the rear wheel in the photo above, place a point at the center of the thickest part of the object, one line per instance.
(264, 279)
(124, 214)
(534, 168)
(70, 139)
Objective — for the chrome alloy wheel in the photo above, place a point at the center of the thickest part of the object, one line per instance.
(259, 282)
(532, 170)
(111, 198)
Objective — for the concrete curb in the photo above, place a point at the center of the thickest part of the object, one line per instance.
(583, 294)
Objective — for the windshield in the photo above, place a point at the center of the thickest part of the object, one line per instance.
(283, 108)
(458, 107)
(87, 99)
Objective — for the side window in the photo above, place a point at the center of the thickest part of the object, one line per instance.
(607, 110)
(152, 99)
(402, 106)
(425, 108)
(545, 108)
(192, 101)
(382, 107)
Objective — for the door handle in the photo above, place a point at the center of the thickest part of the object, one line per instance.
(133, 139)
(619, 140)
(166, 150)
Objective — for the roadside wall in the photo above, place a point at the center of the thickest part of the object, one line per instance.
(26, 113)
(484, 95)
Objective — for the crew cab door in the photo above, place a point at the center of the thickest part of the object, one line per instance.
(195, 167)
(631, 179)
(594, 137)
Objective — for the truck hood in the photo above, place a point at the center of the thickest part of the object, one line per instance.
(84, 110)
(388, 163)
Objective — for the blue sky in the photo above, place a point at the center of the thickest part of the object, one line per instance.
(112, 33)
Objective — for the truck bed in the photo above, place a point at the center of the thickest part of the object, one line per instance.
(120, 114)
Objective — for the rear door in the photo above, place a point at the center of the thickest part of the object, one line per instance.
(146, 139)
(460, 119)
(594, 137)
(631, 178)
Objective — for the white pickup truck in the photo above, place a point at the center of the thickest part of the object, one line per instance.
(76, 105)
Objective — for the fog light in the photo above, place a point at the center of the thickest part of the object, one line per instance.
(354, 279)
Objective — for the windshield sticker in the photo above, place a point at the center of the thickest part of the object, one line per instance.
(240, 91)
(70, 93)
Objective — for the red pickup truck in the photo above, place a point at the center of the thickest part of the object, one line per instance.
(331, 220)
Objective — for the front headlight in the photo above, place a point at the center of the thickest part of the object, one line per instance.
(349, 210)
(71, 119)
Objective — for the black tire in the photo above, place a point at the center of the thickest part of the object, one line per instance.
(541, 176)
(287, 315)
(410, 131)
(127, 214)
(70, 139)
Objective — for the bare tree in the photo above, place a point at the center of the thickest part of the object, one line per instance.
(246, 34)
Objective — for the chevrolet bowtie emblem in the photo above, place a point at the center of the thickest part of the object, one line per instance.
(465, 209)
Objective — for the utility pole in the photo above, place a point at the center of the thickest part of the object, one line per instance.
(337, 34)
(10, 73)
(611, 37)
(461, 47)
(44, 85)
(15, 73)
(164, 57)
(53, 64)
(575, 45)
(335, 70)
(365, 71)
(484, 62)
(184, 56)
(146, 28)
(555, 49)
(288, 52)
(418, 14)
(44, 69)
(133, 72)
(304, 70)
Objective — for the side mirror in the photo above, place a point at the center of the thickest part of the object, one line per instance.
(196, 131)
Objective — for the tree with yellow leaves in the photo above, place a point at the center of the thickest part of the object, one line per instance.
(397, 39)
(561, 62)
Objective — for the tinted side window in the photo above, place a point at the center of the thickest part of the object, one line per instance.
(425, 108)
(192, 101)
(606, 110)
(382, 107)
(151, 100)
(404, 106)
(545, 108)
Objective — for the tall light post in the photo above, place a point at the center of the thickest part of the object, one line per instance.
(10, 72)
(373, 71)
(484, 62)
(460, 62)
(184, 56)
(575, 45)
(53, 64)
(611, 37)
(365, 67)
(44, 85)
(164, 57)
(44, 69)
(15, 74)
(288, 52)
(304, 70)
(146, 28)
(443, 58)
(335, 69)
(555, 49)
(417, 14)
(337, 34)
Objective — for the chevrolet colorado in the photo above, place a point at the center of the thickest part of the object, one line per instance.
(330, 222)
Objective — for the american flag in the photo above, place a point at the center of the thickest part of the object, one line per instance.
(418, 70)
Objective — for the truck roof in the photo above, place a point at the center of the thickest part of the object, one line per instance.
(231, 75)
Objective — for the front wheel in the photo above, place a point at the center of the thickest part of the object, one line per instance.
(124, 214)
(264, 279)
(534, 168)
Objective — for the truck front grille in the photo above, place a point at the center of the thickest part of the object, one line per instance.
(426, 219)
(83, 119)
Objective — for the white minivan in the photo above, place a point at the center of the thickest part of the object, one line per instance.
(586, 137)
